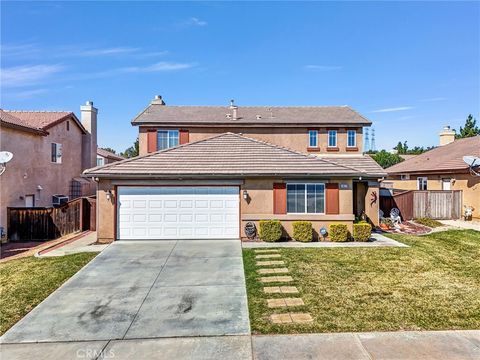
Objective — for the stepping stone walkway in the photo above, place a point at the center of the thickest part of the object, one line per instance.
(263, 257)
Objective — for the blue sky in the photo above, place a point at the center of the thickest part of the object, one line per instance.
(410, 67)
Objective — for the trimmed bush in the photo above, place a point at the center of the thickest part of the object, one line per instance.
(270, 230)
(362, 232)
(339, 232)
(302, 231)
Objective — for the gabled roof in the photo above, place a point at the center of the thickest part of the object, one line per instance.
(156, 114)
(224, 155)
(10, 121)
(108, 154)
(38, 120)
(443, 158)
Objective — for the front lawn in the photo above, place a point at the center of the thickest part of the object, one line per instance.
(433, 285)
(24, 283)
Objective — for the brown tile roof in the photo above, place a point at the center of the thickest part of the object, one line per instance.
(8, 120)
(363, 163)
(443, 158)
(39, 120)
(108, 154)
(250, 115)
(224, 155)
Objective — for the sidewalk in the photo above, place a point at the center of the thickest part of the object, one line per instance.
(401, 345)
(472, 225)
(85, 243)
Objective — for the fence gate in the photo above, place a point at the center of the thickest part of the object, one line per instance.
(440, 204)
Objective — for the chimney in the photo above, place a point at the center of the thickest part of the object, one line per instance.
(447, 135)
(157, 100)
(234, 109)
(88, 119)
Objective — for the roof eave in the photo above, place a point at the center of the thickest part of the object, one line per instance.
(237, 123)
(24, 128)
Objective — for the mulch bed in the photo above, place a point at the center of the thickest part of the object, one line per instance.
(409, 228)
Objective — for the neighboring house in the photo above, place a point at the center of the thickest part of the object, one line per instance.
(107, 157)
(441, 168)
(50, 151)
(204, 172)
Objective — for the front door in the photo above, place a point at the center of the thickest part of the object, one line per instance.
(29, 200)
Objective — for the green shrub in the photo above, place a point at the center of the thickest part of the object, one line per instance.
(339, 232)
(302, 231)
(362, 231)
(270, 230)
(428, 222)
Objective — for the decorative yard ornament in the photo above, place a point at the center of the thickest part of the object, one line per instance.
(250, 230)
(5, 157)
(323, 232)
(373, 198)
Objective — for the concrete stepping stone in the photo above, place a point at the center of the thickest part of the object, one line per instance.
(288, 290)
(270, 262)
(272, 290)
(268, 256)
(273, 271)
(287, 302)
(291, 318)
(268, 279)
(259, 251)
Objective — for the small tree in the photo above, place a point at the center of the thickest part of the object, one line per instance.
(386, 159)
(132, 151)
(401, 148)
(470, 129)
(109, 149)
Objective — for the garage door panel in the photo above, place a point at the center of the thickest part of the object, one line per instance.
(178, 212)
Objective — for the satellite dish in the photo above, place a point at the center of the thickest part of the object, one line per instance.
(5, 156)
(473, 163)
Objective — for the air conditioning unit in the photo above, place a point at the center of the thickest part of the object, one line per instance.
(58, 200)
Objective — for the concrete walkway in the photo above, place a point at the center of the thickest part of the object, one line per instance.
(84, 243)
(411, 345)
(376, 240)
(460, 224)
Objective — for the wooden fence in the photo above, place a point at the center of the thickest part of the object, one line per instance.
(433, 204)
(39, 224)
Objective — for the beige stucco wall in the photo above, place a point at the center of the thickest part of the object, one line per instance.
(372, 202)
(292, 138)
(31, 166)
(258, 206)
(470, 186)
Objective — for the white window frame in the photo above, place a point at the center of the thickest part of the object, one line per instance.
(328, 140)
(305, 184)
(174, 133)
(313, 135)
(423, 180)
(100, 161)
(57, 158)
(404, 176)
(354, 138)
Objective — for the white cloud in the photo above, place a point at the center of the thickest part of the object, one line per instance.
(28, 75)
(400, 108)
(322, 67)
(106, 51)
(25, 94)
(157, 67)
(193, 21)
(433, 99)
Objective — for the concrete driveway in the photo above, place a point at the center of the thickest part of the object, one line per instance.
(145, 289)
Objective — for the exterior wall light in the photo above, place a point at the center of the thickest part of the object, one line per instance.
(109, 195)
(245, 194)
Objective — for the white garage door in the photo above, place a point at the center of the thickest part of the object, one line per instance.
(178, 212)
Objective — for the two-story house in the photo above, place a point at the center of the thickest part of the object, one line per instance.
(205, 171)
(50, 151)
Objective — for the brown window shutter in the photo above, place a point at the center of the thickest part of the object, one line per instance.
(332, 198)
(279, 198)
(151, 140)
(184, 138)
